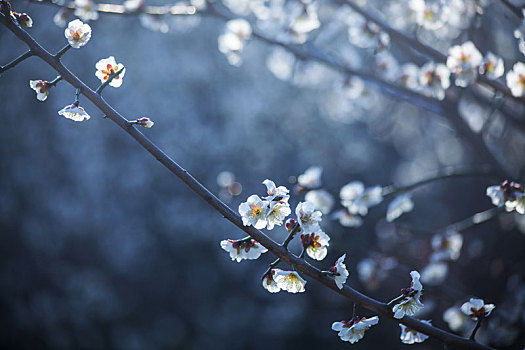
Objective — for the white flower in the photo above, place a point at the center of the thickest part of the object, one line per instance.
(346, 219)
(340, 272)
(357, 199)
(476, 308)
(321, 199)
(492, 66)
(496, 195)
(446, 246)
(315, 244)
(62, 16)
(304, 23)
(276, 193)
(269, 283)
(434, 273)
(401, 204)
(78, 33)
(289, 281)
(41, 88)
(411, 336)
(239, 27)
(23, 19)
(516, 79)
(243, 249)
(311, 178)
(408, 76)
(308, 217)
(456, 319)
(410, 304)
(144, 122)
(106, 67)
(231, 42)
(354, 330)
(86, 10)
(365, 34)
(133, 5)
(428, 15)
(253, 212)
(276, 214)
(434, 79)
(74, 112)
(463, 61)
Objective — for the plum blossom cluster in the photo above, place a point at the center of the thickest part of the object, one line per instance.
(509, 194)
(233, 40)
(409, 303)
(446, 247)
(356, 199)
(243, 249)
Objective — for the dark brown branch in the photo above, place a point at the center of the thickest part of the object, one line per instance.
(16, 61)
(286, 257)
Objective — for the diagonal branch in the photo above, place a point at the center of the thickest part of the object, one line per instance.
(285, 256)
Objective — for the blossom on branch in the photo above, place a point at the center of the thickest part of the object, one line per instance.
(232, 41)
(400, 205)
(434, 79)
(357, 199)
(516, 79)
(77, 33)
(254, 211)
(410, 303)
(144, 122)
(308, 217)
(476, 308)
(269, 283)
(464, 60)
(354, 330)
(492, 66)
(133, 6)
(289, 281)
(275, 193)
(446, 246)
(86, 10)
(316, 244)
(74, 112)
(41, 88)
(311, 178)
(411, 336)
(340, 272)
(108, 66)
(22, 19)
(510, 194)
(243, 249)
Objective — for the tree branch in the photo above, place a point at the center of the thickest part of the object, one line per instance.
(300, 264)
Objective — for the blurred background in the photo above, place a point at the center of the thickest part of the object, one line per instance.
(102, 248)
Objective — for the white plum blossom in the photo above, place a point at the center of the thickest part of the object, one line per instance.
(516, 79)
(304, 23)
(455, 318)
(77, 33)
(446, 246)
(365, 34)
(74, 112)
(144, 122)
(464, 60)
(434, 273)
(316, 244)
(108, 66)
(269, 283)
(476, 308)
(232, 41)
(492, 66)
(434, 79)
(253, 212)
(354, 330)
(427, 14)
(277, 212)
(308, 217)
(275, 193)
(242, 249)
(321, 199)
(408, 75)
(62, 16)
(311, 178)
(510, 194)
(340, 272)
(400, 205)
(23, 19)
(357, 199)
(347, 219)
(411, 302)
(41, 88)
(411, 336)
(289, 281)
(86, 10)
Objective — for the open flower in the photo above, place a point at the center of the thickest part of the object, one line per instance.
(446, 246)
(321, 199)
(74, 112)
(510, 194)
(516, 79)
(340, 272)
(289, 281)
(23, 19)
(311, 178)
(410, 304)
(253, 212)
(78, 33)
(492, 66)
(476, 308)
(86, 10)
(41, 88)
(354, 330)
(315, 244)
(231, 42)
(269, 283)
(305, 22)
(308, 217)
(401, 204)
(463, 61)
(434, 79)
(275, 193)
(242, 249)
(108, 66)
(411, 336)
(357, 199)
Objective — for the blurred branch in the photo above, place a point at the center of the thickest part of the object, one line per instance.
(428, 51)
(121, 10)
(447, 174)
(280, 251)
(514, 9)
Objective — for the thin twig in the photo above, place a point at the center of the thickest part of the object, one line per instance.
(475, 330)
(16, 61)
(62, 51)
(110, 79)
(278, 250)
